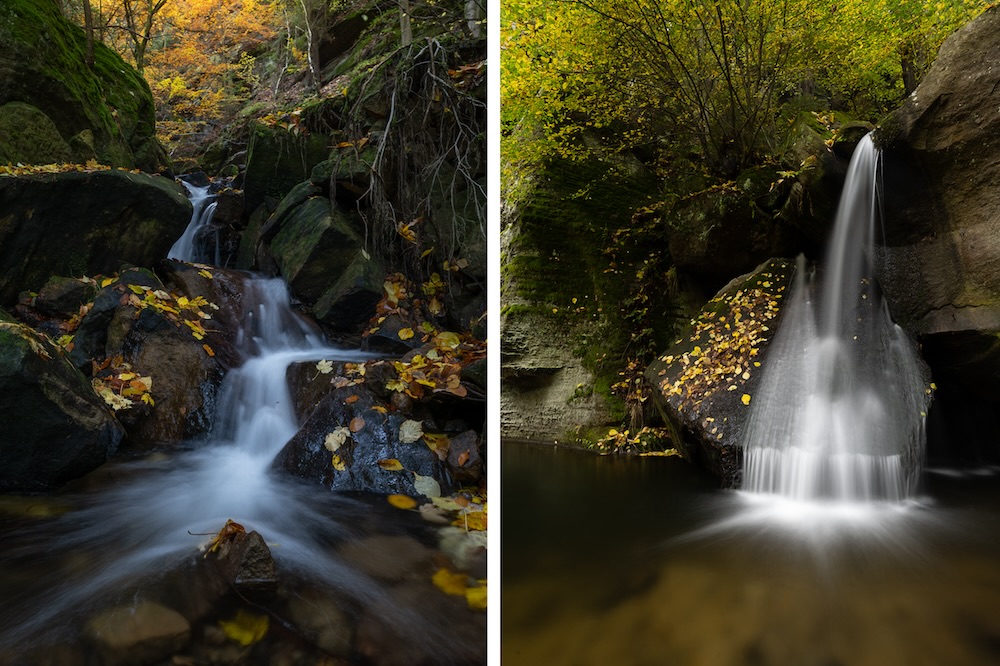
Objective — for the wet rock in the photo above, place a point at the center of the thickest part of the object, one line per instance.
(245, 562)
(141, 634)
(99, 221)
(366, 435)
(386, 557)
(704, 383)
(55, 427)
(154, 343)
(464, 461)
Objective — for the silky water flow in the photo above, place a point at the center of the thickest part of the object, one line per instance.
(839, 414)
(122, 544)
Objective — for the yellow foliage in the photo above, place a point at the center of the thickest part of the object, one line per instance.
(245, 628)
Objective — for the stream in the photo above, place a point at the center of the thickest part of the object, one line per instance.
(126, 542)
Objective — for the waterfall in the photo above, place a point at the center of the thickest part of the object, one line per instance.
(839, 412)
(154, 519)
(186, 247)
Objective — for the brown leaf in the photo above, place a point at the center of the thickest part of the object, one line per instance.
(462, 458)
(357, 424)
(351, 399)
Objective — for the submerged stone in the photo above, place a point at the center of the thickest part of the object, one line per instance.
(143, 633)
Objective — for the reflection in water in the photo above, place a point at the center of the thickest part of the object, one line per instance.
(643, 562)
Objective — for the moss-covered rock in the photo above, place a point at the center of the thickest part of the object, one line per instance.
(28, 136)
(43, 64)
(723, 230)
(84, 223)
(278, 160)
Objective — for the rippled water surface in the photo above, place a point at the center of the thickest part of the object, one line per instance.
(610, 561)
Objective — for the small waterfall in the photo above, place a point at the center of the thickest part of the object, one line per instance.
(839, 412)
(186, 248)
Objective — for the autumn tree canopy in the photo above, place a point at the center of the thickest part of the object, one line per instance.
(709, 77)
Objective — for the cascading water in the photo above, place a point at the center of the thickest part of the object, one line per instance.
(185, 248)
(839, 414)
(125, 541)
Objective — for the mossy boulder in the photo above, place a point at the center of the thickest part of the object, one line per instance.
(96, 221)
(278, 160)
(55, 427)
(29, 136)
(43, 64)
(321, 254)
(704, 383)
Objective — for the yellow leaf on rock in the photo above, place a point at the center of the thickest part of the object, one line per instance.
(390, 465)
(745, 399)
(338, 463)
(450, 582)
(438, 443)
(476, 597)
(405, 333)
(402, 501)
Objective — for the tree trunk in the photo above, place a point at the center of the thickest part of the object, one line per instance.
(88, 23)
(406, 31)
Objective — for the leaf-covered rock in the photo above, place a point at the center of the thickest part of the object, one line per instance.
(704, 384)
(55, 428)
(350, 460)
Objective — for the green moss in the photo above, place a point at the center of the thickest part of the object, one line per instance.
(110, 98)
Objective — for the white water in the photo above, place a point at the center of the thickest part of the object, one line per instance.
(126, 541)
(839, 412)
(185, 247)
(151, 523)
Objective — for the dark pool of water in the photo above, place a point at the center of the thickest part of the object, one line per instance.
(644, 561)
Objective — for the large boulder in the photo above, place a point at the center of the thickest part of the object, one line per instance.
(321, 254)
(704, 383)
(105, 111)
(940, 264)
(55, 427)
(96, 221)
(278, 159)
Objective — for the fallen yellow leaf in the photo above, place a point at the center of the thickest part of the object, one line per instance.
(450, 582)
(402, 501)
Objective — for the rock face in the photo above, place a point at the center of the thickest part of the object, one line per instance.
(55, 428)
(98, 221)
(542, 377)
(700, 383)
(71, 111)
(940, 266)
